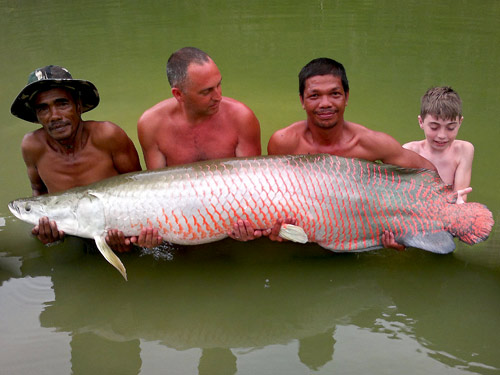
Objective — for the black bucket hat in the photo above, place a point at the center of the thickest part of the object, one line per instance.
(52, 76)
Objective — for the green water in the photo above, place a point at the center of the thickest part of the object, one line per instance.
(258, 307)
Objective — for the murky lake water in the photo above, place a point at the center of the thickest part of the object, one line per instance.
(259, 307)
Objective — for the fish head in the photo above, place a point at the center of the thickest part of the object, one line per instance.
(76, 211)
(55, 207)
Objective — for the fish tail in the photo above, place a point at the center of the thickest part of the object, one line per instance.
(470, 222)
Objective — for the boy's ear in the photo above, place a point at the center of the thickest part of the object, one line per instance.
(420, 122)
(460, 120)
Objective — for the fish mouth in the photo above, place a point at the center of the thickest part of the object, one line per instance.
(14, 209)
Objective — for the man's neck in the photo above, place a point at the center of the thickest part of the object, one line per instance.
(329, 136)
(195, 119)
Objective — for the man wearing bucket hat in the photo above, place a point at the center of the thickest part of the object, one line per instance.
(66, 151)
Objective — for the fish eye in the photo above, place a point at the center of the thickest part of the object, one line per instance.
(27, 207)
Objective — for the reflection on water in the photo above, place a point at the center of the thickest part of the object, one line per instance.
(254, 308)
(237, 305)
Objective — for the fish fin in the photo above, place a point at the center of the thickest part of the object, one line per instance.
(110, 256)
(293, 233)
(439, 243)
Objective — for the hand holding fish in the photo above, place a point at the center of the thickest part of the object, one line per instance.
(117, 241)
(243, 231)
(46, 231)
(148, 237)
(389, 242)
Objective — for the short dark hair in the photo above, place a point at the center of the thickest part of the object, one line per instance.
(321, 67)
(178, 62)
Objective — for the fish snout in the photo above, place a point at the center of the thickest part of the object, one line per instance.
(13, 207)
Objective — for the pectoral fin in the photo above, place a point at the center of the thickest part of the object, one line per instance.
(110, 256)
(439, 243)
(293, 233)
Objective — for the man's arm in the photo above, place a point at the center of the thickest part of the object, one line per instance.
(46, 231)
(120, 146)
(248, 135)
(248, 145)
(391, 152)
(409, 159)
(273, 146)
(412, 146)
(125, 159)
(37, 185)
(31, 153)
(153, 157)
(283, 142)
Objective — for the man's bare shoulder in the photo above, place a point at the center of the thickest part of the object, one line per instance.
(236, 109)
(34, 140)
(233, 103)
(158, 113)
(286, 140)
(296, 129)
(355, 127)
(102, 129)
(106, 135)
(367, 138)
(363, 132)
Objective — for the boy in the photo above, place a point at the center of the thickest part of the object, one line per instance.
(440, 119)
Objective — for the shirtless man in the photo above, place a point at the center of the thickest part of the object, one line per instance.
(198, 123)
(440, 118)
(324, 93)
(66, 151)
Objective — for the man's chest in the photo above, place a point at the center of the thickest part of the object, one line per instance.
(206, 144)
(63, 172)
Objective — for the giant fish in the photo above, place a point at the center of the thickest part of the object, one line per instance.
(342, 204)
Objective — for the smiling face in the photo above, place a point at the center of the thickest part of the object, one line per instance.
(324, 100)
(58, 113)
(439, 133)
